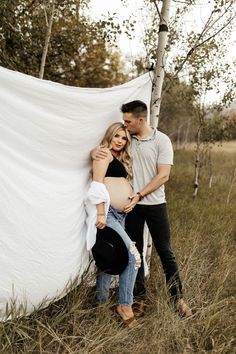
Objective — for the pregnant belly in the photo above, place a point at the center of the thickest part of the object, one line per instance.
(119, 190)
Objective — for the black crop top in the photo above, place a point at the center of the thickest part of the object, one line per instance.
(116, 169)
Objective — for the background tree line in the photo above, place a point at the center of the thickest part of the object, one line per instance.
(78, 52)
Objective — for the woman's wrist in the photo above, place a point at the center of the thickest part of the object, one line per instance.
(101, 214)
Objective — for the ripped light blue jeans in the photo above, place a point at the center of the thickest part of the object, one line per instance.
(115, 220)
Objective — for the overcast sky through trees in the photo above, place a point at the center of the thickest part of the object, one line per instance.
(134, 47)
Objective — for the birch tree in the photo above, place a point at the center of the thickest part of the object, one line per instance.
(159, 71)
(204, 74)
(158, 79)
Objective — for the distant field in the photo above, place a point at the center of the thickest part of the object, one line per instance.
(229, 146)
(204, 240)
(226, 146)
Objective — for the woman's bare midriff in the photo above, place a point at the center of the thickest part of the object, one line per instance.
(119, 190)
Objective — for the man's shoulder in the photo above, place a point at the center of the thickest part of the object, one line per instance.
(162, 137)
(164, 148)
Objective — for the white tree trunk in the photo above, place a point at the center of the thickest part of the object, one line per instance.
(158, 79)
(47, 40)
(159, 71)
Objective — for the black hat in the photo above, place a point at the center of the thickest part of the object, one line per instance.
(110, 252)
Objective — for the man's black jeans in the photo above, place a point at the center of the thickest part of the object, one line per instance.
(156, 217)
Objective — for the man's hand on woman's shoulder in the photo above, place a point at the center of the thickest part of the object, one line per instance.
(100, 152)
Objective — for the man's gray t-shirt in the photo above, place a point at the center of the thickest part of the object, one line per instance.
(147, 154)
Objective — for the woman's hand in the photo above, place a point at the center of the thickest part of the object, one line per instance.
(101, 221)
(134, 199)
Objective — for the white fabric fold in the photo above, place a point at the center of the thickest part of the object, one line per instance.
(97, 194)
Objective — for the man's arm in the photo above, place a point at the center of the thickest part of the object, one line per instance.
(100, 152)
(163, 173)
(162, 176)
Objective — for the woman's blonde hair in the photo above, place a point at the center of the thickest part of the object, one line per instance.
(124, 155)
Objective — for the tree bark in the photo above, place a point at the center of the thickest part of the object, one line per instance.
(47, 40)
(159, 71)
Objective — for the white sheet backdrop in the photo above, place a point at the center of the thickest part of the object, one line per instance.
(46, 133)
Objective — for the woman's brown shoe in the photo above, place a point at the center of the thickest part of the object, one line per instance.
(131, 322)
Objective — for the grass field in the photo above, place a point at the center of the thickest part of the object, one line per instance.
(225, 146)
(203, 236)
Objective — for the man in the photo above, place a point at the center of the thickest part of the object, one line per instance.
(152, 155)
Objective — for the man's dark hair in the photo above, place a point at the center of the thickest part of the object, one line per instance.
(137, 108)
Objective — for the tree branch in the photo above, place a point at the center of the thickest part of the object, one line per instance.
(190, 52)
(47, 40)
(158, 11)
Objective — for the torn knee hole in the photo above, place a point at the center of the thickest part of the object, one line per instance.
(135, 253)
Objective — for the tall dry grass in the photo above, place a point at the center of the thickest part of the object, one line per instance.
(203, 234)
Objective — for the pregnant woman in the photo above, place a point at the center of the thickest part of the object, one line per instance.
(115, 173)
